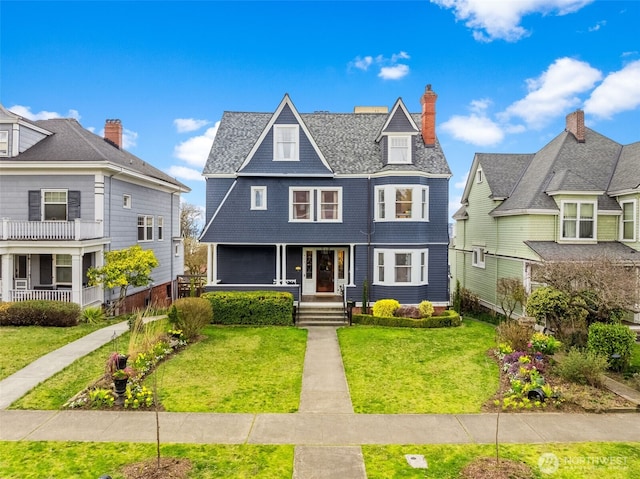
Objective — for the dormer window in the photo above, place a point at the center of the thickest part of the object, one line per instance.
(578, 220)
(399, 149)
(286, 142)
(4, 143)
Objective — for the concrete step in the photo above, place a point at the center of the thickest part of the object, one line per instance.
(321, 315)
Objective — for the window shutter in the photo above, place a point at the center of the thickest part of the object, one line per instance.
(35, 210)
(74, 205)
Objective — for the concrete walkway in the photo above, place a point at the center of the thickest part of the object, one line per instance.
(326, 433)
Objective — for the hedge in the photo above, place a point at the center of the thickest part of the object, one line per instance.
(608, 339)
(251, 307)
(448, 318)
(39, 313)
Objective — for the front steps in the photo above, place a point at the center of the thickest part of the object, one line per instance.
(321, 314)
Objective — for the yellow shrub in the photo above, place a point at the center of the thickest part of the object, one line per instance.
(426, 309)
(385, 307)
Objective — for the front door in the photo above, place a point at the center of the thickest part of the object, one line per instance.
(325, 282)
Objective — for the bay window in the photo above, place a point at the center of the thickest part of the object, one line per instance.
(405, 267)
(402, 203)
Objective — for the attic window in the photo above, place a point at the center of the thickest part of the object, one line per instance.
(479, 176)
(399, 149)
(285, 143)
(4, 143)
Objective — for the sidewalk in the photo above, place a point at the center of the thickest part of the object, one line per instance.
(327, 434)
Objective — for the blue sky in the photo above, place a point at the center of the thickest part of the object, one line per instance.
(506, 72)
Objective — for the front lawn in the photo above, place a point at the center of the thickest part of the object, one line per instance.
(236, 369)
(405, 370)
(86, 460)
(22, 345)
(558, 461)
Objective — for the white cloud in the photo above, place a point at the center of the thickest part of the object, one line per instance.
(597, 26)
(195, 150)
(184, 173)
(492, 20)
(129, 139)
(185, 125)
(459, 185)
(25, 111)
(554, 92)
(620, 91)
(394, 73)
(389, 68)
(474, 129)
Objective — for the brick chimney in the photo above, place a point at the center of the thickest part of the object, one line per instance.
(113, 132)
(575, 125)
(428, 102)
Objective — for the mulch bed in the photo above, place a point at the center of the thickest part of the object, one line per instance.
(169, 468)
(487, 468)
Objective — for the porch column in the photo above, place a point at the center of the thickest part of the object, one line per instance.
(278, 277)
(352, 262)
(212, 262)
(76, 279)
(7, 276)
(284, 262)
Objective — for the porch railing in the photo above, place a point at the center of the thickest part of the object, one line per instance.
(90, 295)
(50, 230)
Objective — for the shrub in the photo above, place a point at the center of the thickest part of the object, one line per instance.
(92, 315)
(408, 312)
(426, 309)
(608, 339)
(40, 313)
(448, 318)
(385, 307)
(251, 307)
(583, 367)
(469, 302)
(190, 315)
(514, 334)
(544, 344)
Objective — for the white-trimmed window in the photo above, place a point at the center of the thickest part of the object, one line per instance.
(628, 221)
(54, 205)
(401, 267)
(145, 228)
(303, 201)
(286, 142)
(477, 257)
(63, 269)
(4, 143)
(402, 203)
(258, 197)
(399, 149)
(160, 228)
(479, 176)
(578, 220)
(126, 201)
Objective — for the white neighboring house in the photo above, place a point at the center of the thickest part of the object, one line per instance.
(66, 197)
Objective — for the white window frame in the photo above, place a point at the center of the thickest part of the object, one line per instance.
(397, 153)
(61, 261)
(255, 191)
(160, 228)
(278, 152)
(386, 266)
(316, 211)
(479, 176)
(385, 200)
(45, 203)
(579, 220)
(634, 216)
(147, 229)
(126, 201)
(4, 143)
(478, 254)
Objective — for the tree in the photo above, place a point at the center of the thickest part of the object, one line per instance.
(123, 268)
(195, 254)
(601, 286)
(511, 294)
(552, 308)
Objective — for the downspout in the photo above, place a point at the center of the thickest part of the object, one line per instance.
(369, 232)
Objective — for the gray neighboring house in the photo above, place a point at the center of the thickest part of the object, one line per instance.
(317, 203)
(67, 196)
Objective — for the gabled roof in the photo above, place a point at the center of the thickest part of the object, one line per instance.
(565, 164)
(627, 174)
(69, 142)
(346, 140)
(398, 120)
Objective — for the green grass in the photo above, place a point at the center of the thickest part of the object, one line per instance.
(64, 460)
(575, 461)
(23, 345)
(236, 369)
(403, 370)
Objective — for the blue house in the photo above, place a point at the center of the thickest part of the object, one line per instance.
(322, 203)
